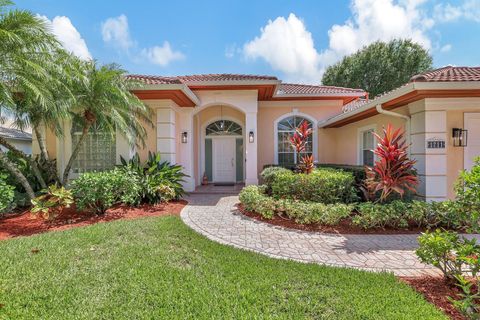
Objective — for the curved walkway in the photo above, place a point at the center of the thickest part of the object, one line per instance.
(216, 217)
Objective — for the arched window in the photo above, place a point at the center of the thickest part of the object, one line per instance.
(286, 154)
(223, 128)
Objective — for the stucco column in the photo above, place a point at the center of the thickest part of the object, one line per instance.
(251, 176)
(185, 149)
(166, 134)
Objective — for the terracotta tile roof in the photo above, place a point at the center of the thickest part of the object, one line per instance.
(154, 79)
(223, 77)
(14, 134)
(291, 88)
(354, 105)
(449, 74)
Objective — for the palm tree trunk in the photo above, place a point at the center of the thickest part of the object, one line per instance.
(75, 152)
(41, 142)
(17, 174)
(30, 160)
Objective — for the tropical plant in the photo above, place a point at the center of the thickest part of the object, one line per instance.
(299, 142)
(160, 181)
(379, 67)
(467, 195)
(393, 172)
(26, 48)
(51, 201)
(98, 191)
(105, 101)
(6, 193)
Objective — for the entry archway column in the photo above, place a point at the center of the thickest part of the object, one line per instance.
(251, 158)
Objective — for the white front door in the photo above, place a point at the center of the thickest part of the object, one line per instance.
(472, 150)
(223, 159)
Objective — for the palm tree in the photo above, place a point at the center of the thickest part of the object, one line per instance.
(107, 103)
(26, 46)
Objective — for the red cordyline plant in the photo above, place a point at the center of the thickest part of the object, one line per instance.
(393, 172)
(299, 142)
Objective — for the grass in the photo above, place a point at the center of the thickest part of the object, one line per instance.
(158, 268)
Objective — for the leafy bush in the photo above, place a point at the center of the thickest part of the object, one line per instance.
(357, 171)
(269, 174)
(48, 170)
(467, 192)
(322, 185)
(254, 200)
(51, 201)
(452, 254)
(304, 212)
(6, 194)
(98, 191)
(159, 181)
(393, 172)
(374, 215)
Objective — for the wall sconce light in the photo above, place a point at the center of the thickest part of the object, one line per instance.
(459, 136)
(251, 137)
(184, 137)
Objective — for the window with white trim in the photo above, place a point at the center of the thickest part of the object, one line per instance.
(98, 151)
(287, 155)
(367, 144)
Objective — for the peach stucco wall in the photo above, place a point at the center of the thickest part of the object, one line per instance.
(341, 144)
(269, 112)
(150, 140)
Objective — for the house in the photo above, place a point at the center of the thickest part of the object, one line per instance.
(227, 127)
(22, 140)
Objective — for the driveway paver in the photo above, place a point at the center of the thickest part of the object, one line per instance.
(216, 217)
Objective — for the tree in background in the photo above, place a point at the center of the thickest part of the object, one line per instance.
(379, 67)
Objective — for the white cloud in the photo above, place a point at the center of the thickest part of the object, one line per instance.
(231, 50)
(115, 31)
(68, 36)
(288, 46)
(162, 55)
(446, 48)
(469, 9)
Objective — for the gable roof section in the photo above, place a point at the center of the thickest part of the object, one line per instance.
(269, 88)
(447, 82)
(15, 134)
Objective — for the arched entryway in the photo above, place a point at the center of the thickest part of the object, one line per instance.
(224, 152)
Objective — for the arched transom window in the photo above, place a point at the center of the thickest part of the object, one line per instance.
(285, 129)
(224, 128)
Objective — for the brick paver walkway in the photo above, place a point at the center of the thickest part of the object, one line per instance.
(216, 217)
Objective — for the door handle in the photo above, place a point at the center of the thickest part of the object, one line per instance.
(232, 162)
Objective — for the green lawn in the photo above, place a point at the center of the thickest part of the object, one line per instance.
(155, 268)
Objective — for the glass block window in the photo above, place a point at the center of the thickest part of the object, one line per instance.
(287, 155)
(224, 128)
(367, 146)
(98, 151)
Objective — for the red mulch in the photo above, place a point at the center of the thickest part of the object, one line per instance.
(344, 227)
(26, 224)
(436, 290)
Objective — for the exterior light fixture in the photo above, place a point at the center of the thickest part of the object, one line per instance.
(459, 136)
(184, 137)
(251, 137)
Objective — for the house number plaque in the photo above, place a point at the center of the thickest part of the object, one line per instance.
(435, 143)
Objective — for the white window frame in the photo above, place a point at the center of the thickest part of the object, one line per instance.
(314, 133)
(360, 141)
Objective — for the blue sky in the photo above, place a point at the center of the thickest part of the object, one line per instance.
(294, 40)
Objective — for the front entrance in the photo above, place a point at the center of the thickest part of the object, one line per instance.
(472, 150)
(223, 159)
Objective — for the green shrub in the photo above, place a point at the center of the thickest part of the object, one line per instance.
(254, 199)
(269, 174)
(357, 171)
(322, 185)
(304, 212)
(49, 203)
(158, 180)
(98, 191)
(452, 254)
(375, 215)
(467, 191)
(6, 194)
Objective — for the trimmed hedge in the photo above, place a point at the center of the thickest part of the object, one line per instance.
(255, 200)
(322, 185)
